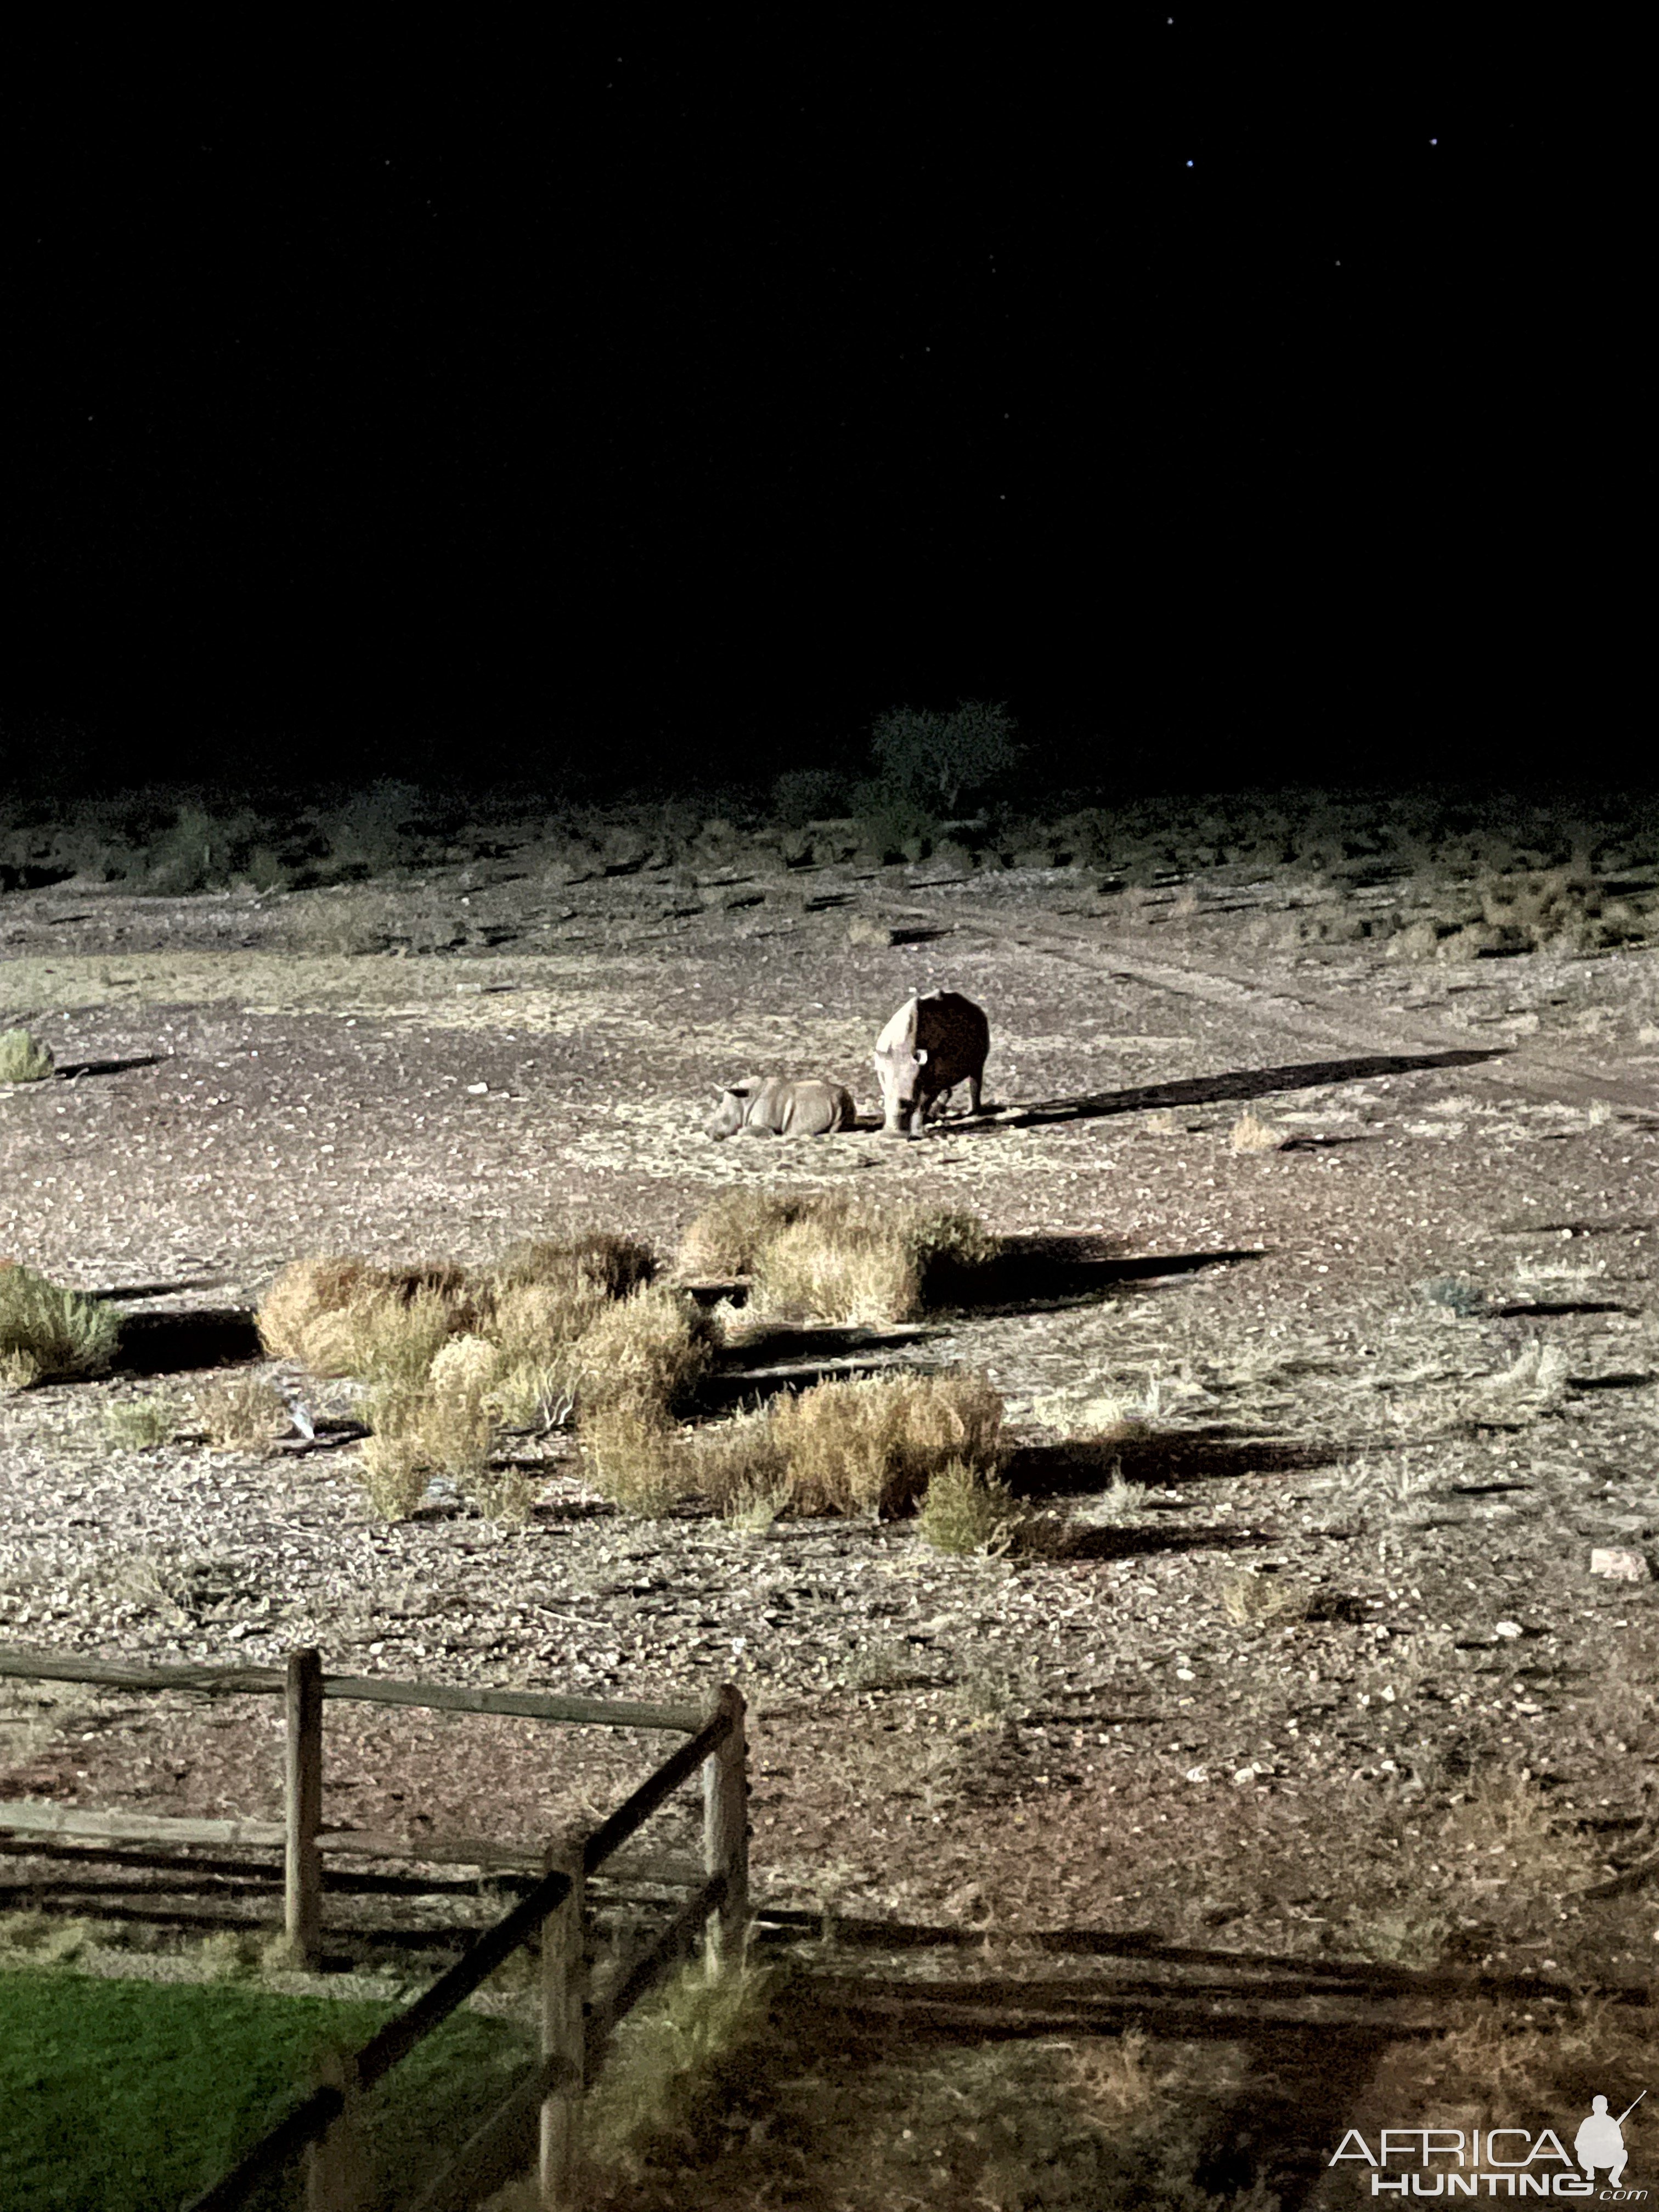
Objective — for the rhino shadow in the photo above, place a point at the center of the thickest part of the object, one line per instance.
(1233, 1084)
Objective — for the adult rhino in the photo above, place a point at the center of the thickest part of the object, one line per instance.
(774, 1107)
(932, 1043)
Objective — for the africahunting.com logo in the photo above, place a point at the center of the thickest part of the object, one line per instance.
(1452, 2162)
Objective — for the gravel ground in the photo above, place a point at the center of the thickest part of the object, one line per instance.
(1351, 1602)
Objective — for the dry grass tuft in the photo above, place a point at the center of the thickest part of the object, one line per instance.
(847, 1260)
(648, 1350)
(533, 1321)
(739, 1467)
(873, 1445)
(1252, 1132)
(1509, 2071)
(1504, 1827)
(1253, 1601)
(598, 1262)
(52, 1335)
(458, 1425)
(23, 1058)
(836, 1254)
(844, 1272)
(394, 1473)
(341, 1317)
(965, 1510)
(534, 1394)
(727, 1237)
(637, 1457)
(242, 1413)
(304, 1290)
(451, 1355)
(1113, 2080)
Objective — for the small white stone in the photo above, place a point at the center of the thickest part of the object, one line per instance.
(476, 1089)
(1507, 1628)
(1202, 1774)
(1619, 1565)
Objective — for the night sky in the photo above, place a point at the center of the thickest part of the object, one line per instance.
(1242, 396)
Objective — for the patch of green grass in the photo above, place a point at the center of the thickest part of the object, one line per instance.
(1466, 1299)
(124, 2096)
(23, 1058)
(141, 1424)
(52, 1335)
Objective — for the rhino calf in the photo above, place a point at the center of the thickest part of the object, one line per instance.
(778, 1108)
(931, 1044)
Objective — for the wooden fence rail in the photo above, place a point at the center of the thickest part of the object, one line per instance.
(373, 1689)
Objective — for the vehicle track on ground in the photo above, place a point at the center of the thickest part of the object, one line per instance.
(1316, 1019)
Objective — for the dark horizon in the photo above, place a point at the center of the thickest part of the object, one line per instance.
(1244, 406)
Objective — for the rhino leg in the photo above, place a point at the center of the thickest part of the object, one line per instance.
(976, 1083)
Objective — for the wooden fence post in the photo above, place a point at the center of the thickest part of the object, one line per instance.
(725, 1834)
(564, 2032)
(337, 2175)
(303, 1810)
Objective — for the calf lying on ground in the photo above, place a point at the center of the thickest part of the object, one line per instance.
(776, 1107)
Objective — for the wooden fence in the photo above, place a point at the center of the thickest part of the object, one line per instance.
(540, 2119)
(300, 1834)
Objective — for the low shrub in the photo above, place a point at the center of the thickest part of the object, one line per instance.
(597, 1261)
(242, 1413)
(52, 1335)
(845, 1272)
(458, 1425)
(801, 795)
(728, 1236)
(341, 1317)
(634, 1456)
(965, 1510)
(1252, 1133)
(739, 1467)
(395, 1474)
(452, 1354)
(141, 1424)
(23, 1058)
(837, 1256)
(940, 761)
(873, 1445)
(647, 1350)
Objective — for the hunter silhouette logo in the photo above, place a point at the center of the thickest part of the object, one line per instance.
(1601, 2141)
(1451, 2163)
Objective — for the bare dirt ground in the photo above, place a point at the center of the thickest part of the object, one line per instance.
(1333, 1681)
